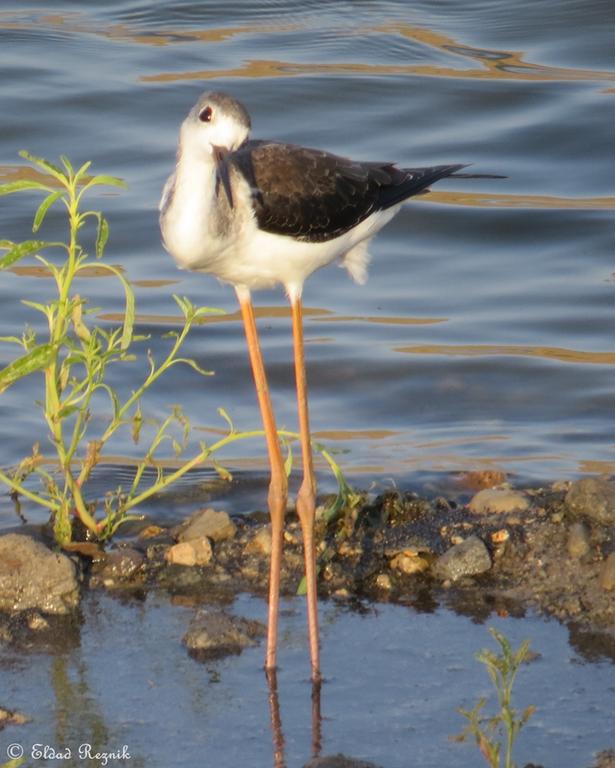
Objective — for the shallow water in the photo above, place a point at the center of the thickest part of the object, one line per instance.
(130, 682)
(484, 334)
(483, 338)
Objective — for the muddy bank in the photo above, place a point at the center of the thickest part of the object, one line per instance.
(551, 550)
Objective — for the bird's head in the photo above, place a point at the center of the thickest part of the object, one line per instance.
(216, 121)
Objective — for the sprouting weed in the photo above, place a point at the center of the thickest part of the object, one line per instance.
(500, 730)
(73, 360)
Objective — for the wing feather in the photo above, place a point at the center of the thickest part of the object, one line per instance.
(315, 196)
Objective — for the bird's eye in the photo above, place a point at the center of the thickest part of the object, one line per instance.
(206, 114)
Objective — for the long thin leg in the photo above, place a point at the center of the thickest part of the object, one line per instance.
(278, 486)
(306, 498)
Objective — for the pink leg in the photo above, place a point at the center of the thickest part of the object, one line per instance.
(278, 487)
(306, 498)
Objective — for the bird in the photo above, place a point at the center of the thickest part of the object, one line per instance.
(263, 213)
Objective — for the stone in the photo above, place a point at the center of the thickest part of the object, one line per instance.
(260, 543)
(8, 717)
(607, 573)
(383, 582)
(338, 761)
(469, 558)
(593, 498)
(578, 540)
(498, 501)
(32, 576)
(120, 565)
(190, 553)
(409, 563)
(214, 633)
(217, 526)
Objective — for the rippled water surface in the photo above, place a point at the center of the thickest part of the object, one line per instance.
(484, 337)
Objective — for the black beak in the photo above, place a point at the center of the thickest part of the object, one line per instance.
(220, 155)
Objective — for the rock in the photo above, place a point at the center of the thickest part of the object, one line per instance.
(338, 761)
(383, 582)
(7, 717)
(190, 553)
(37, 622)
(482, 478)
(607, 573)
(260, 543)
(594, 498)
(605, 759)
(119, 565)
(498, 501)
(32, 576)
(409, 562)
(466, 559)
(578, 540)
(214, 633)
(217, 526)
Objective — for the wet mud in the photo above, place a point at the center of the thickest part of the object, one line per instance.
(547, 550)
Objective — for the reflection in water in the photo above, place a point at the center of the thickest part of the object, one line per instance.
(498, 350)
(279, 760)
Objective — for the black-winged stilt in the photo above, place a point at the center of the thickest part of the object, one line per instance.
(260, 213)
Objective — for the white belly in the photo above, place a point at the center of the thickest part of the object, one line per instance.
(243, 254)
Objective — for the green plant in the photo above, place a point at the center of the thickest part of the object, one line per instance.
(74, 358)
(503, 727)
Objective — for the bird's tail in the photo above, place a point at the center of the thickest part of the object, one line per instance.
(477, 175)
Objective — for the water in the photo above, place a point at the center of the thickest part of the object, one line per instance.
(382, 699)
(483, 338)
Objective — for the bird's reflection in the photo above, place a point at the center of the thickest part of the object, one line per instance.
(279, 760)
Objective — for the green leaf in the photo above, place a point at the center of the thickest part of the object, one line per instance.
(103, 180)
(302, 588)
(68, 165)
(12, 339)
(43, 208)
(46, 165)
(34, 360)
(102, 235)
(288, 464)
(193, 364)
(228, 420)
(129, 315)
(83, 170)
(20, 251)
(21, 185)
(223, 472)
(44, 308)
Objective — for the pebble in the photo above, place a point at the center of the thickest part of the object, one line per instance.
(409, 563)
(498, 501)
(578, 540)
(37, 622)
(190, 553)
(217, 526)
(32, 576)
(607, 573)
(120, 565)
(469, 558)
(7, 717)
(383, 581)
(260, 543)
(215, 633)
(594, 498)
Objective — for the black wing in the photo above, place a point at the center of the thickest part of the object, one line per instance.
(315, 196)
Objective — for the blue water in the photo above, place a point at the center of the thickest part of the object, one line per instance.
(482, 340)
(391, 691)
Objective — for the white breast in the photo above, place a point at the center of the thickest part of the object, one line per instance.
(241, 253)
